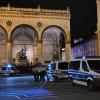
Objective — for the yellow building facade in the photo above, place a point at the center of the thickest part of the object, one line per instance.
(98, 24)
(39, 31)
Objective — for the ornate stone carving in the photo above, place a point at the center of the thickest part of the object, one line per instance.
(9, 23)
(39, 24)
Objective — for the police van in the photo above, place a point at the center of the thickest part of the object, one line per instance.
(57, 70)
(9, 69)
(85, 71)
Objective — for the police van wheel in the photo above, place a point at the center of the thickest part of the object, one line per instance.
(71, 82)
(90, 86)
(56, 79)
(1, 74)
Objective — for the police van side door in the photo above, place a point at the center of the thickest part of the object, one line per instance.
(74, 67)
(85, 72)
(77, 71)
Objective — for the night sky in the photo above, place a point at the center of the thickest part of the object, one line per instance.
(83, 13)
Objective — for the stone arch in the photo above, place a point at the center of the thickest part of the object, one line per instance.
(3, 40)
(26, 25)
(24, 37)
(53, 48)
(65, 34)
(4, 31)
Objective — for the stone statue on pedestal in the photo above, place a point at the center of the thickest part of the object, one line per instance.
(23, 55)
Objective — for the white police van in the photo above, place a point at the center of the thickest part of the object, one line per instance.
(57, 70)
(8, 69)
(85, 71)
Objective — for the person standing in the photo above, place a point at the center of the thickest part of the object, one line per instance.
(42, 73)
(36, 68)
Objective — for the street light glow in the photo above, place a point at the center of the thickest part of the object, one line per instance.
(9, 65)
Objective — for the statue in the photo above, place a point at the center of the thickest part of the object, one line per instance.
(21, 58)
(23, 55)
(54, 55)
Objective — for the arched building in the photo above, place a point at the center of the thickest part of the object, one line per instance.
(98, 23)
(40, 32)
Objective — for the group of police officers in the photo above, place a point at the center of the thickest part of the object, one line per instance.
(39, 71)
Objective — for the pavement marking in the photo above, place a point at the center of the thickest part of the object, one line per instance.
(18, 96)
(14, 84)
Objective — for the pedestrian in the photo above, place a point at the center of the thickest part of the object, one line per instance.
(36, 68)
(42, 73)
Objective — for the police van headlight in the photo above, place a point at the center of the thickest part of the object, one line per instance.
(57, 72)
(96, 76)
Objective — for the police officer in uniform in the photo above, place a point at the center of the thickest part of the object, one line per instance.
(36, 68)
(42, 73)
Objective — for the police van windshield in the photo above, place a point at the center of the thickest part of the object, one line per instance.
(63, 66)
(52, 66)
(94, 64)
(3, 68)
(12, 68)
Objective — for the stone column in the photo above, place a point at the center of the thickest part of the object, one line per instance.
(98, 24)
(39, 50)
(59, 55)
(68, 47)
(68, 51)
(8, 52)
(9, 45)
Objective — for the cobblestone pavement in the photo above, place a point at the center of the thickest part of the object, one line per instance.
(24, 88)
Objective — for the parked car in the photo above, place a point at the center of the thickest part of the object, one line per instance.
(58, 70)
(8, 69)
(85, 71)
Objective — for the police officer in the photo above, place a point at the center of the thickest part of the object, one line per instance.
(42, 73)
(36, 68)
